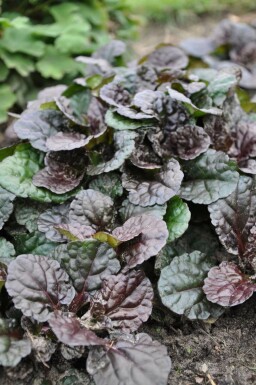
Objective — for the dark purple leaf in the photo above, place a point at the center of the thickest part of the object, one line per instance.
(234, 216)
(129, 210)
(132, 360)
(244, 146)
(38, 285)
(189, 141)
(148, 101)
(198, 47)
(158, 189)
(149, 235)
(70, 331)
(92, 208)
(132, 113)
(96, 117)
(124, 301)
(87, 263)
(124, 143)
(226, 285)
(49, 219)
(63, 172)
(115, 94)
(144, 157)
(37, 126)
(67, 141)
(110, 51)
(168, 56)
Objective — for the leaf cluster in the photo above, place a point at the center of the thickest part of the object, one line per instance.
(133, 187)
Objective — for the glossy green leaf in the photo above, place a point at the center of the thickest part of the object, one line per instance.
(209, 177)
(177, 218)
(180, 286)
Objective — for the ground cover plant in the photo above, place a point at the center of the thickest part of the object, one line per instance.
(39, 39)
(131, 192)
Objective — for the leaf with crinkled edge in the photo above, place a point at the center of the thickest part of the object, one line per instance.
(115, 94)
(49, 219)
(158, 190)
(109, 184)
(132, 360)
(148, 101)
(234, 216)
(226, 285)
(73, 376)
(124, 301)
(63, 172)
(69, 331)
(167, 56)
(124, 143)
(189, 141)
(38, 126)
(38, 285)
(27, 213)
(129, 210)
(177, 218)
(66, 141)
(175, 95)
(209, 177)
(134, 114)
(12, 350)
(6, 205)
(92, 208)
(7, 251)
(17, 171)
(123, 123)
(33, 243)
(180, 286)
(149, 235)
(87, 263)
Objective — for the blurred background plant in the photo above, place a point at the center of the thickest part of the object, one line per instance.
(180, 11)
(39, 40)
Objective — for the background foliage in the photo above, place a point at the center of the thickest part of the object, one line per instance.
(39, 39)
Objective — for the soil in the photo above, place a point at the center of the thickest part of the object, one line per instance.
(221, 353)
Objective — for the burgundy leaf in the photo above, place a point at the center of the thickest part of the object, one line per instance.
(189, 141)
(63, 172)
(110, 51)
(37, 126)
(168, 56)
(132, 360)
(38, 285)
(124, 301)
(49, 219)
(67, 141)
(149, 235)
(164, 184)
(115, 94)
(69, 331)
(92, 208)
(234, 216)
(226, 285)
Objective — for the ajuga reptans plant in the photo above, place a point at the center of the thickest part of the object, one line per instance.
(131, 188)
